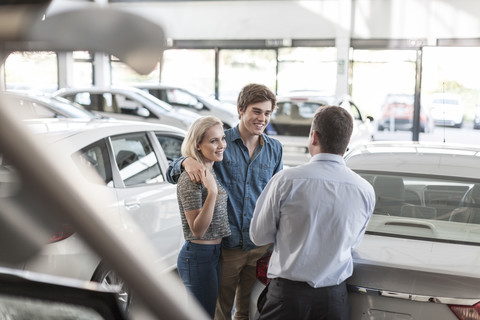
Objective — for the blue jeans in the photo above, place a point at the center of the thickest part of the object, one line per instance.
(199, 268)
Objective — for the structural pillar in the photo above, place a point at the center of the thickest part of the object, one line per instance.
(342, 43)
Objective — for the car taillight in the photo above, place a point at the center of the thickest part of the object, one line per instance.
(262, 268)
(65, 231)
(466, 312)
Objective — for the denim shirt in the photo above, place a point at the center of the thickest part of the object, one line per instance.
(244, 180)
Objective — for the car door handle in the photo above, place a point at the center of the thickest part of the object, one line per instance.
(132, 205)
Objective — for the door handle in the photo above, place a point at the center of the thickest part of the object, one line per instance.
(132, 205)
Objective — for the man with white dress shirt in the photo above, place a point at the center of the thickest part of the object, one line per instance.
(315, 215)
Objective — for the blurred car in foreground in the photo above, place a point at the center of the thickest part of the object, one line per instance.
(420, 257)
(291, 122)
(193, 101)
(47, 189)
(131, 159)
(30, 106)
(128, 103)
(447, 109)
(397, 114)
(29, 295)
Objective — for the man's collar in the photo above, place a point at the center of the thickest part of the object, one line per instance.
(236, 135)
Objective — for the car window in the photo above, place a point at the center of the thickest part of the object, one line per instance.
(91, 101)
(296, 110)
(36, 110)
(95, 156)
(30, 109)
(352, 108)
(136, 159)
(425, 207)
(125, 104)
(179, 97)
(171, 146)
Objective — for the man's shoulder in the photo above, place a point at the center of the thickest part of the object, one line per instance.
(268, 139)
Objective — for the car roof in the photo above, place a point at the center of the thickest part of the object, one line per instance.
(312, 96)
(56, 130)
(419, 158)
(97, 89)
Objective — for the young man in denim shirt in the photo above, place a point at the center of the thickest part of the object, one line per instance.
(250, 160)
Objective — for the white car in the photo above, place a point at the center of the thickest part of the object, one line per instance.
(447, 109)
(30, 106)
(291, 122)
(131, 159)
(128, 103)
(420, 257)
(182, 98)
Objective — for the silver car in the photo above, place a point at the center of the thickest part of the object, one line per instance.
(182, 98)
(420, 257)
(291, 121)
(31, 106)
(128, 103)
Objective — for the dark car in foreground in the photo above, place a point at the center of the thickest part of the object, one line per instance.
(420, 257)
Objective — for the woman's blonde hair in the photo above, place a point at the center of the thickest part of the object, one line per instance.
(195, 135)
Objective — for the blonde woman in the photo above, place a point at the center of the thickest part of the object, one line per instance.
(203, 209)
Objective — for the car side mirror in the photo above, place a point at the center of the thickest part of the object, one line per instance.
(198, 106)
(143, 112)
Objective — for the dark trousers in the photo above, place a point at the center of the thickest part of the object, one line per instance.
(199, 268)
(289, 300)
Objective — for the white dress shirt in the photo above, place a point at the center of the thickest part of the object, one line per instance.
(314, 214)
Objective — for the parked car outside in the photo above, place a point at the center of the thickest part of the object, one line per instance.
(131, 159)
(476, 119)
(31, 106)
(397, 114)
(291, 121)
(193, 101)
(420, 256)
(128, 103)
(447, 109)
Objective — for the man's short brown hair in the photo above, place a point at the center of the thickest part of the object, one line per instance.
(334, 126)
(253, 93)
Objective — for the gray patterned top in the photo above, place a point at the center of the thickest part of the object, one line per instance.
(191, 196)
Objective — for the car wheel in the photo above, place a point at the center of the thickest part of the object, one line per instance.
(108, 279)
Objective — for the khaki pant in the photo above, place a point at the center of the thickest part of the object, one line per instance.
(238, 277)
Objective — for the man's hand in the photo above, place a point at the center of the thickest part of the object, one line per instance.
(195, 169)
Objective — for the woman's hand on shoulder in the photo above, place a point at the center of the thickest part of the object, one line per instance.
(195, 169)
(209, 182)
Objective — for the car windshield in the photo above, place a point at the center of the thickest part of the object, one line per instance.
(155, 100)
(425, 207)
(297, 109)
(71, 108)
